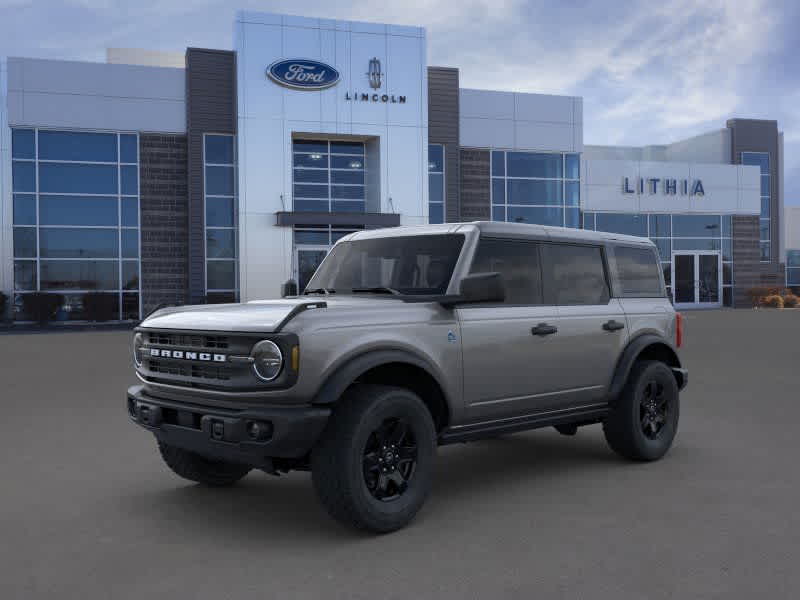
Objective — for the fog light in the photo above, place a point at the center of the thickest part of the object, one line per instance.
(258, 430)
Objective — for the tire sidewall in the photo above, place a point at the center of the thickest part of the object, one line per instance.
(394, 403)
(652, 449)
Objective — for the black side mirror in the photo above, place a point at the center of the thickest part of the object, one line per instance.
(289, 288)
(483, 287)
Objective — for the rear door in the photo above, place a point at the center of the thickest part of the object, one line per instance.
(592, 330)
(507, 367)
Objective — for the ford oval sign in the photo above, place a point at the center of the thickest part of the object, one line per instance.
(303, 74)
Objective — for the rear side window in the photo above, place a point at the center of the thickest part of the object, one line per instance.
(574, 275)
(517, 262)
(638, 272)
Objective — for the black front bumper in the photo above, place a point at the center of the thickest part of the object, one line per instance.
(226, 434)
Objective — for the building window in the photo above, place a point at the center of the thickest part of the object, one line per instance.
(311, 245)
(535, 187)
(76, 219)
(674, 232)
(793, 268)
(221, 227)
(328, 176)
(761, 160)
(436, 183)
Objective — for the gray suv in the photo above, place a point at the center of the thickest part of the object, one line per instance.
(408, 338)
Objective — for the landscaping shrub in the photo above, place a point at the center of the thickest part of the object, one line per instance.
(757, 295)
(790, 301)
(41, 306)
(773, 301)
(99, 306)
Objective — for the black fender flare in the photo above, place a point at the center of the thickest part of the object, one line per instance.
(344, 375)
(633, 350)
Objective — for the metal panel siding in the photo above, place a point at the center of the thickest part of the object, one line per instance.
(210, 108)
(443, 128)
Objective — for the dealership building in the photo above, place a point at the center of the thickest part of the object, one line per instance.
(217, 175)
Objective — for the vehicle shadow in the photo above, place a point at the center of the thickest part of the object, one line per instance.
(278, 509)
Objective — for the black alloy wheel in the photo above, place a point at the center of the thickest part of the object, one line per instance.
(654, 409)
(390, 459)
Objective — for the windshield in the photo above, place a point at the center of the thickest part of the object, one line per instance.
(419, 264)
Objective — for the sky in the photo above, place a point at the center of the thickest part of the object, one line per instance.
(649, 72)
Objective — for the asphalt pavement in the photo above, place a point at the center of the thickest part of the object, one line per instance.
(87, 509)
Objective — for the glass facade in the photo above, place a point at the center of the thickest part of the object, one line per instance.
(761, 160)
(219, 159)
(536, 187)
(674, 233)
(76, 218)
(793, 268)
(436, 183)
(328, 176)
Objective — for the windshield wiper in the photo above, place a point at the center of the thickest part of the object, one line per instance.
(376, 290)
(320, 290)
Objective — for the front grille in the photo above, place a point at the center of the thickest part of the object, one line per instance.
(210, 342)
(197, 371)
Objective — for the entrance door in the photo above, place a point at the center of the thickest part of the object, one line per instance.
(308, 259)
(697, 279)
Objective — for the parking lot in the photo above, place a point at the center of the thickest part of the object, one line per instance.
(87, 509)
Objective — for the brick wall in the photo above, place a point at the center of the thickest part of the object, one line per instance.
(165, 232)
(748, 270)
(475, 199)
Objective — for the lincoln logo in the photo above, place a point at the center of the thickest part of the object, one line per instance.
(185, 355)
(374, 74)
(301, 74)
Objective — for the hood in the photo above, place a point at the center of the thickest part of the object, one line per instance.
(259, 316)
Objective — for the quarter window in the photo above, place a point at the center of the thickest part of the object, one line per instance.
(517, 262)
(574, 275)
(638, 272)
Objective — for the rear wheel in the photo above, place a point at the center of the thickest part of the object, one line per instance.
(643, 421)
(195, 467)
(372, 467)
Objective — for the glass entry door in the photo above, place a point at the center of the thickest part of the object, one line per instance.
(697, 279)
(308, 259)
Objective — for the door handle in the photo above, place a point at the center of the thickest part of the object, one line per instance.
(544, 329)
(613, 325)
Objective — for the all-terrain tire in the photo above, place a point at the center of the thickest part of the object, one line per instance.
(338, 468)
(195, 467)
(628, 428)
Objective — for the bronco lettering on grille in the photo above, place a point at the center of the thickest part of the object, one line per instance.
(180, 354)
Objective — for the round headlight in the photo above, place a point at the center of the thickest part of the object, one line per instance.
(267, 360)
(138, 342)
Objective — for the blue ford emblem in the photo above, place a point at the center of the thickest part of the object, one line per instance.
(303, 74)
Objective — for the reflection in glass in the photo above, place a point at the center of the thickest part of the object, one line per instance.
(23, 143)
(221, 274)
(24, 275)
(25, 242)
(23, 176)
(80, 275)
(532, 164)
(66, 178)
(77, 210)
(219, 149)
(219, 181)
(219, 212)
(220, 243)
(531, 191)
(56, 242)
(24, 209)
(78, 146)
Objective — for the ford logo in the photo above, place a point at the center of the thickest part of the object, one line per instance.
(303, 74)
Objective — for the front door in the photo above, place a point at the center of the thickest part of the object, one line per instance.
(697, 279)
(308, 259)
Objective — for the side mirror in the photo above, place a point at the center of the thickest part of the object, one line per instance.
(483, 287)
(289, 288)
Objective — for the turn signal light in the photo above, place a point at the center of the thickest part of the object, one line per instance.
(678, 330)
(295, 358)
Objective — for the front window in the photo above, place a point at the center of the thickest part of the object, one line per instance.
(76, 220)
(420, 264)
(536, 187)
(761, 160)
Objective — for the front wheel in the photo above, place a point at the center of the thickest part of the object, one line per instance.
(372, 468)
(643, 421)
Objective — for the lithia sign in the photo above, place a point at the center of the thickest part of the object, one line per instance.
(667, 186)
(306, 74)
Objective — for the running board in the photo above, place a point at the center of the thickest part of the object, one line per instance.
(579, 416)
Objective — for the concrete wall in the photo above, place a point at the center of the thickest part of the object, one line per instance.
(791, 227)
(519, 121)
(145, 58)
(270, 114)
(712, 147)
(82, 95)
(729, 189)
